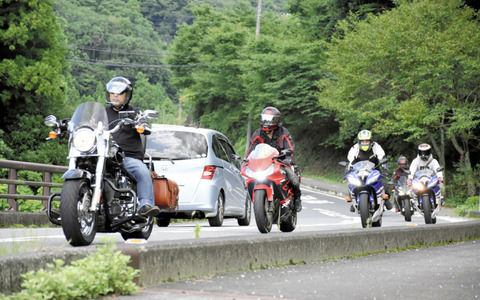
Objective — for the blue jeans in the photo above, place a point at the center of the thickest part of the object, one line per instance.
(138, 170)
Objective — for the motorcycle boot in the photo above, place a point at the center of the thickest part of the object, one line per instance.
(295, 183)
(298, 203)
(388, 204)
(146, 211)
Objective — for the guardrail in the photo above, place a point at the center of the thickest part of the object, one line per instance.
(14, 166)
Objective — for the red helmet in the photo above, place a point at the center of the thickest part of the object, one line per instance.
(270, 118)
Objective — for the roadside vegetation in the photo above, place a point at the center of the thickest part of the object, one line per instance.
(405, 69)
(102, 273)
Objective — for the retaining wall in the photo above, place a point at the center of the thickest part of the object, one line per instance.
(160, 261)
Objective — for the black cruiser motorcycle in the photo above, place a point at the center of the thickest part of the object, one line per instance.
(98, 195)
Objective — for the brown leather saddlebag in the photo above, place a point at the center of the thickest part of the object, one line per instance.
(165, 192)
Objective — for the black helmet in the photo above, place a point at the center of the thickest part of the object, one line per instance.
(270, 118)
(402, 161)
(424, 151)
(119, 85)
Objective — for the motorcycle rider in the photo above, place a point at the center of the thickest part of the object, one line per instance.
(401, 170)
(274, 134)
(425, 160)
(366, 149)
(119, 93)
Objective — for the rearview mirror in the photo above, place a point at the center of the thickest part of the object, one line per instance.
(151, 114)
(51, 121)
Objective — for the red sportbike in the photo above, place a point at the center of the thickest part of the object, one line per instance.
(270, 190)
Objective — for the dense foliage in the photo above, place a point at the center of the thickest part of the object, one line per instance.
(406, 69)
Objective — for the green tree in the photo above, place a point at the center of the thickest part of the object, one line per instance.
(410, 72)
(32, 70)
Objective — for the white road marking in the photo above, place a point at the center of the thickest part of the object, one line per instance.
(33, 238)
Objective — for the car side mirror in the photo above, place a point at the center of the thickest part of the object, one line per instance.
(440, 169)
(343, 163)
(236, 157)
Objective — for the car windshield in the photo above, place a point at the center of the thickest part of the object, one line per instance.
(176, 145)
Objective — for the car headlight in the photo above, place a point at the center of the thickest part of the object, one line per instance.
(84, 140)
(259, 175)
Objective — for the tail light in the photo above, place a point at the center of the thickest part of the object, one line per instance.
(208, 172)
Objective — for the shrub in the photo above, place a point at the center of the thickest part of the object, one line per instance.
(101, 273)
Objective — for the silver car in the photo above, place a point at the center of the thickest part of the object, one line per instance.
(207, 170)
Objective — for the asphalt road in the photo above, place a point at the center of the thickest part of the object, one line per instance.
(321, 211)
(441, 272)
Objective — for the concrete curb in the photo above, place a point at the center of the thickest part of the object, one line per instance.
(160, 261)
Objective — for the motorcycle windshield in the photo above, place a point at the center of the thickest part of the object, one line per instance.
(364, 165)
(424, 173)
(89, 114)
(402, 180)
(262, 151)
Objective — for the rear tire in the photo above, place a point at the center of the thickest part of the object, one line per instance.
(245, 221)
(364, 209)
(263, 219)
(79, 226)
(144, 233)
(217, 221)
(427, 209)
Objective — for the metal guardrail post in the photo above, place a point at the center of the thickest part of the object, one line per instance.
(12, 189)
(47, 177)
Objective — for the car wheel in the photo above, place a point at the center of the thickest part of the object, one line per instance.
(163, 222)
(245, 221)
(218, 219)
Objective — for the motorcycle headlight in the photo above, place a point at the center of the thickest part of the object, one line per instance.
(417, 185)
(259, 175)
(354, 180)
(432, 183)
(84, 140)
(372, 179)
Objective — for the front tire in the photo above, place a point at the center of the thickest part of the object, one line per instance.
(245, 221)
(263, 218)
(364, 210)
(408, 209)
(78, 223)
(217, 221)
(427, 209)
(144, 233)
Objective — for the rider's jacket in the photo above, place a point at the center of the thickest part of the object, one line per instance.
(399, 171)
(420, 164)
(280, 140)
(127, 137)
(374, 154)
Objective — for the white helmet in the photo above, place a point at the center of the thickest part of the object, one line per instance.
(424, 151)
(365, 135)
